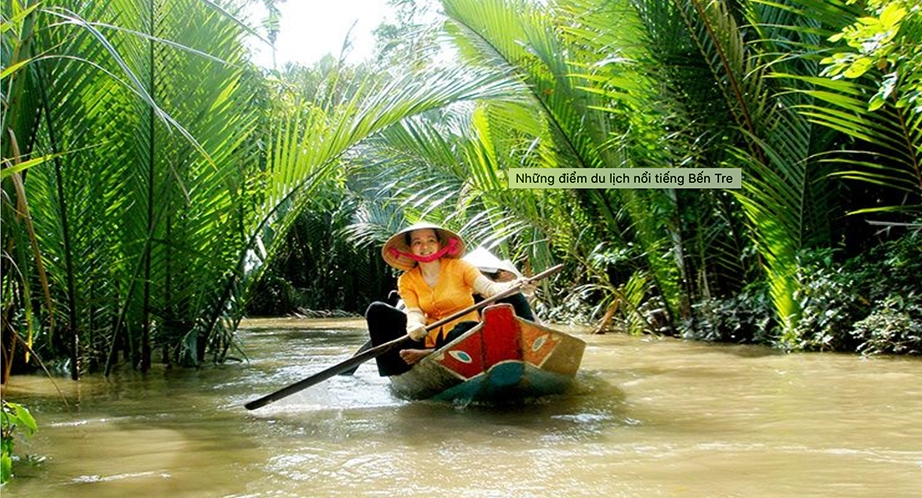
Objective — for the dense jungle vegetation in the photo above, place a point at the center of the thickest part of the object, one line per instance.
(157, 186)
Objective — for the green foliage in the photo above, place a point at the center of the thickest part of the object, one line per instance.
(320, 267)
(13, 417)
(892, 266)
(716, 63)
(869, 91)
(154, 180)
(746, 317)
(410, 40)
(843, 300)
(149, 125)
(887, 41)
(619, 292)
(273, 296)
(592, 111)
(894, 327)
(867, 303)
(831, 301)
(185, 168)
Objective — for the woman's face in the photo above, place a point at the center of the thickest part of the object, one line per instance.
(504, 276)
(424, 242)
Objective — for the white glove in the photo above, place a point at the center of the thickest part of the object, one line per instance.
(416, 330)
(488, 288)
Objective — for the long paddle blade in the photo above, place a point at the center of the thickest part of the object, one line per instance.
(377, 351)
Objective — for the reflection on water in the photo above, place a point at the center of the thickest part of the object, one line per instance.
(645, 418)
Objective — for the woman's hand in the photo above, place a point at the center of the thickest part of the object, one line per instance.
(416, 330)
(528, 287)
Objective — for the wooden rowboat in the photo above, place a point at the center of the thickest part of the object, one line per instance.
(504, 358)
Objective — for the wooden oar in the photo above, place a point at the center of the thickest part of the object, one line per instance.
(376, 351)
(362, 348)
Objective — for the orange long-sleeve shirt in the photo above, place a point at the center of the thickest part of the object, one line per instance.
(452, 293)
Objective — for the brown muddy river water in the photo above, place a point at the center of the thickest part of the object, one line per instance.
(646, 418)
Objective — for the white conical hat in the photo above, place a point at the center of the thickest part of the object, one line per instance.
(483, 259)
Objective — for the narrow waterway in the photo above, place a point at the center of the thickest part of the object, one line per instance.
(646, 418)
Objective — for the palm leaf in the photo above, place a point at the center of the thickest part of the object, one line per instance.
(890, 138)
(586, 108)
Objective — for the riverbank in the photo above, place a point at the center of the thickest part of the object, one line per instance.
(290, 322)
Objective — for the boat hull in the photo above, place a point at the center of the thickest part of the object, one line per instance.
(505, 358)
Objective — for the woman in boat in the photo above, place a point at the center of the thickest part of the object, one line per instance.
(499, 270)
(435, 284)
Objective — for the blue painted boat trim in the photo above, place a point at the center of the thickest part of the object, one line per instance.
(507, 381)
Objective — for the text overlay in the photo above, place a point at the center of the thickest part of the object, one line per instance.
(636, 178)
